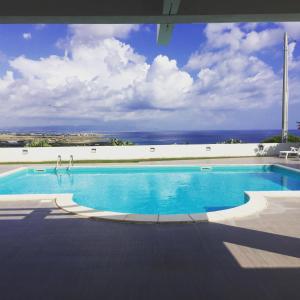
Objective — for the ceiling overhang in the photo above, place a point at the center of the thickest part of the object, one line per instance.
(163, 12)
(147, 11)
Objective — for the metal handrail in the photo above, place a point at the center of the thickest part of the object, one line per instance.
(71, 162)
(58, 162)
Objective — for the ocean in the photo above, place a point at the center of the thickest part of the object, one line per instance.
(167, 137)
(196, 137)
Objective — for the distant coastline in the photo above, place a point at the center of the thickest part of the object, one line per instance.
(76, 136)
(24, 139)
(197, 137)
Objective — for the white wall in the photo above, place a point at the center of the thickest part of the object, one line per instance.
(137, 152)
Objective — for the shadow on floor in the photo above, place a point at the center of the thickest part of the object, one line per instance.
(46, 253)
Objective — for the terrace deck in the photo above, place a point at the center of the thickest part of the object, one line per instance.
(46, 253)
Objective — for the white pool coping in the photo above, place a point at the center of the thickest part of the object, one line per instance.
(257, 202)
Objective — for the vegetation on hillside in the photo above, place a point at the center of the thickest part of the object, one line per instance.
(232, 141)
(118, 142)
(277, 139)
(38, 143)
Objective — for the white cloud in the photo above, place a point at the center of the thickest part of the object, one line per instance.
(165, 86)
(293, 29)
(40, 26)
(93, 80)
(223, 35)
(26, 36)
(108, 80)
(108, 58)
(230, 76)
(250, 26)
(84, 33)
(101, 78)
(255, 41)
(241, 37)
(238, 82)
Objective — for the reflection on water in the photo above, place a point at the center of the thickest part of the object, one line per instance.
(64, 179)
(284, 182)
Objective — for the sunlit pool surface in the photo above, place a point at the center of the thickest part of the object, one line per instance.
(154, 190)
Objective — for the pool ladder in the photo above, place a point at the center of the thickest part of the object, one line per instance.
(59, 163)
(71, 162)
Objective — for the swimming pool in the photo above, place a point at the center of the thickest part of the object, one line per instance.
(163, 190)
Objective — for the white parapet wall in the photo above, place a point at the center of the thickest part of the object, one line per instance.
(39, 154)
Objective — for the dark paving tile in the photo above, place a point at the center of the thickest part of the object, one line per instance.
(76, 258)
(44, 257)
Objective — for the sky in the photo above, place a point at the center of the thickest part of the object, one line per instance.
(117, 78)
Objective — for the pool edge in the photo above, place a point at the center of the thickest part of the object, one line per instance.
(256, 203)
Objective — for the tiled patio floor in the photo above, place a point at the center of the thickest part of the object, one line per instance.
(46, 253)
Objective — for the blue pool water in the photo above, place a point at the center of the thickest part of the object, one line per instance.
(152, 190)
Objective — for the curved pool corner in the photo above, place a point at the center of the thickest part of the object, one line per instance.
(256, 202)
